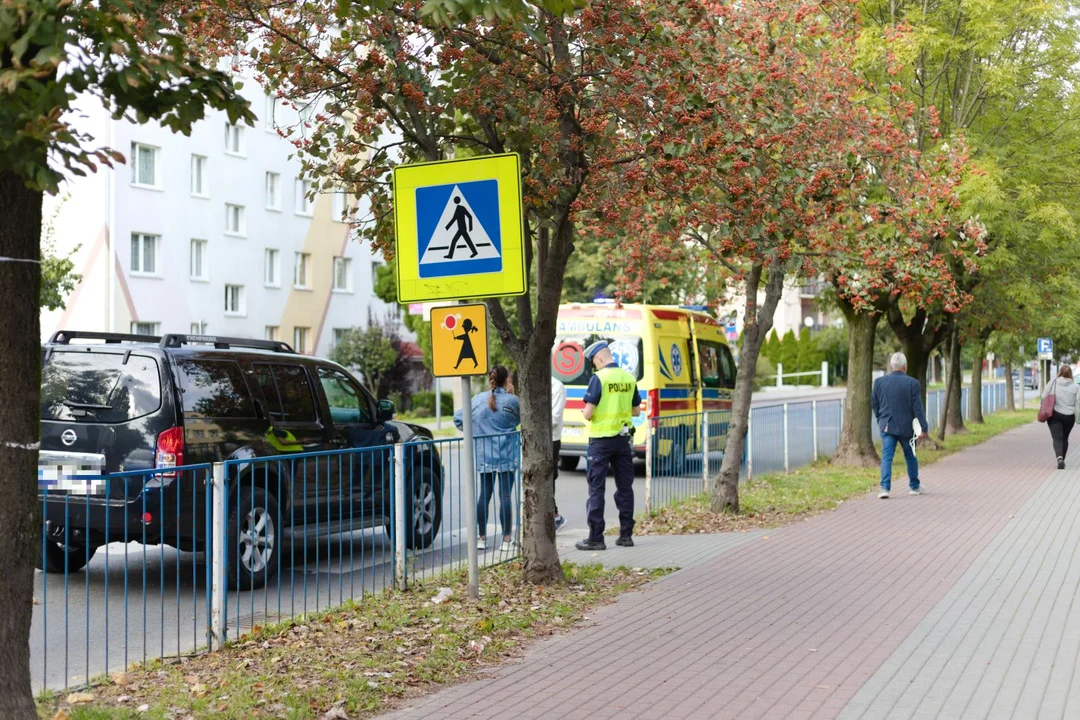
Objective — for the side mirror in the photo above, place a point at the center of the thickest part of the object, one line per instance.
(386, 410)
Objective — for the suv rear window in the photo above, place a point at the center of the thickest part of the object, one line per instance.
(99, 387)
(288, 390)
(214, 389)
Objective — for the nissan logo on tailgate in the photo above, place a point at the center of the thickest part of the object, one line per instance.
(68, 437)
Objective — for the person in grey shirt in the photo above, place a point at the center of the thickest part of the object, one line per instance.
(1064, 390)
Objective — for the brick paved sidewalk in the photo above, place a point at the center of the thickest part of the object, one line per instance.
(955, 604)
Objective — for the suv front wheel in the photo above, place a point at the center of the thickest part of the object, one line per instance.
(253, 539)
(423, 510)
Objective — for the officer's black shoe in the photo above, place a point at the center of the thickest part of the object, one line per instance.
(625, 541)
(589, 545)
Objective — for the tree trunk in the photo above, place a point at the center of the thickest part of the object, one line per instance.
(976, 414)
(918, 340)
(20, 388)
(954, 383)
(856, 446)
(756, 325)
(1010, 394)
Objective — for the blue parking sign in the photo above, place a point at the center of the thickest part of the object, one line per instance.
(1045, 346)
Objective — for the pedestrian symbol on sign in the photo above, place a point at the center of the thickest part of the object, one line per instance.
(458, 229)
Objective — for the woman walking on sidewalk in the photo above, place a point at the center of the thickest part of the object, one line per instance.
(496, 413)
(1061, 422)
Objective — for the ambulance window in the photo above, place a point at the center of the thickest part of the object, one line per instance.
(710, 365)
(727, 364)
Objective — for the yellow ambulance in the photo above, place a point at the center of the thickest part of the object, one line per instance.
(682, 362)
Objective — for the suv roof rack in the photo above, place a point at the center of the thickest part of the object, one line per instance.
(64, 337)
(224, 343)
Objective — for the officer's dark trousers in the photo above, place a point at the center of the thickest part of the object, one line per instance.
(614, 452)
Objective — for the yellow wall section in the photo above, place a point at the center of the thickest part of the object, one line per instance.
(324, 241)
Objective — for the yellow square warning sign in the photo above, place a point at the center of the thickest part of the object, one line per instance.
(459, 341)
(458, 229)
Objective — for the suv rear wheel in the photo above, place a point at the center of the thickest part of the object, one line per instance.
(59, 558)
(253, 539)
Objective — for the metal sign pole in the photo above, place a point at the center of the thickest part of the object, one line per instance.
(468, 479)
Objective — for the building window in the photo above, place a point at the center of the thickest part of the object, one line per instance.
(273, 191)
(339, 335)
(269, 111)
(300, 271)
(271, 268)
(300, 339)
(234, 220)
(234, 299)
(305, 204)
(343, 274)
(145, 328)
(375, 275)
(144, 165)
(198, 328)
(234, 139)
(144, 253)
(340, 206)
(200, 183)
(199, 269)
(271, 332)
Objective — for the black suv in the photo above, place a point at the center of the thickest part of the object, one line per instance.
(129, 403)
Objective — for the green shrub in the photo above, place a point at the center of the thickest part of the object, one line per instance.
(423, 403)
(763, 373)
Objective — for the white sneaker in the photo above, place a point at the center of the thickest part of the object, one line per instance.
(509, 550)
(883, 495)
(481, 543)
(915, 492)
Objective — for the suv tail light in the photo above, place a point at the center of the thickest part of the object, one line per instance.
(170, 450)
(652, 406)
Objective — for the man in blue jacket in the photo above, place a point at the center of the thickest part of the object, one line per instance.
(897, 402)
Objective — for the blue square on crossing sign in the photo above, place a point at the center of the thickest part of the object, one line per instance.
(458, 229)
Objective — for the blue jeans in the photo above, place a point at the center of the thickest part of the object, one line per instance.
(888, 450)
(506, 501)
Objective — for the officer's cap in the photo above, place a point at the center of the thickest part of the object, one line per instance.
(590, 352)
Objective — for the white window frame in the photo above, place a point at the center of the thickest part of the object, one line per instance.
(375, 265)
(142, 239)
(155, 328)
(270, 110)
(271, 261)
(240, 308)
(340, 206)
(273, 199)
(199, 328)
(204, 276)
(271, 332)
(237, 132)
(338, 333)
(241, 230)
(156, 151)
(298, 345)
(348, 275)
(304, 203)
(204, 192)
(302, 280)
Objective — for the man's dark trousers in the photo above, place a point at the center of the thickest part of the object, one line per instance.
(616, 453)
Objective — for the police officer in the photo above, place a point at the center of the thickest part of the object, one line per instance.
(611, 401)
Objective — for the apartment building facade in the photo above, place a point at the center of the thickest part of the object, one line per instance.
(214, 233)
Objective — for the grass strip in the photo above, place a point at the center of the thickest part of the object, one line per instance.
(360, 659)
(782, 498)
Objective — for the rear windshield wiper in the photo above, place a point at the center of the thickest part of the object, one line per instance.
(84, 406)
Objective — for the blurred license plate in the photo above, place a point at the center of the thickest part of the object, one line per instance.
(75, 473)
(573, 431)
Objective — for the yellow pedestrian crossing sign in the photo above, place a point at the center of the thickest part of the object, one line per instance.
(459, 341)
(458, 229)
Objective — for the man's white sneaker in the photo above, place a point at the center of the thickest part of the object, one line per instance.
(917, 491)
(883, 495)
(481, 544)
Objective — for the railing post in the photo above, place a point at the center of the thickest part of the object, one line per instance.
(705, 451)
(813, 413)
(750, 443)
(779, 374)
(824, 373)
(217, 561)
(650, 450)
(400, 526)
(468, 479)
(787, 467)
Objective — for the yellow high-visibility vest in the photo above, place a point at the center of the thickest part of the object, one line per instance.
(616, 406)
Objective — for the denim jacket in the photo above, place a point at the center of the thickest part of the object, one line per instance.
(496, 449)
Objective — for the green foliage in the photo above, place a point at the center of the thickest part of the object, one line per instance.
(423, 403)
(787, 352)
(833, 342)
(448, 12)
(58, 278)
(376, 352)
(122, 52)
(764, 373)
(809, 356)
